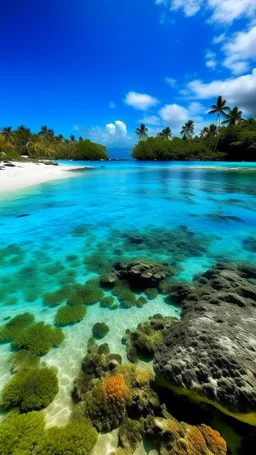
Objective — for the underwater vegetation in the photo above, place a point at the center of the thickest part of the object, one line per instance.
(23, 360)
(30, 390)
(19, 433)
(249, 244)
(57, 297)
(77, 437)
(70, 314)
(14, 326)
(38, 338)
(148, 337)
(100, 330)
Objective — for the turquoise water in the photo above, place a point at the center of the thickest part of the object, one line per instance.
(189, 214)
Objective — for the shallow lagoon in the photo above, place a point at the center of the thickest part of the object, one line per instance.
(94, 216)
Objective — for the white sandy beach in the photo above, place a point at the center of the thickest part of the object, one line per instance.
(24, 175)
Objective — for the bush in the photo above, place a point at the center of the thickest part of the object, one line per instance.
(100, 330)
(32, 390)
(38, 338)
(70, 314)
(19, 433)
(76, 438)
(15, 325)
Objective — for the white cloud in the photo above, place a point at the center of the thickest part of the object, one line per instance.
(173, 113)
(170, 81)
(210, 59)
(150, 120)
(140, 101)
(219, 39)
(112, 105)
(240, 91)
(112, 135)
(220, 11)
(240, 50)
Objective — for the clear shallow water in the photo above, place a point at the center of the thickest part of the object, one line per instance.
(96, 214)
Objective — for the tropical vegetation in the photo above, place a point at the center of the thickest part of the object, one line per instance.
(21, 142)
(230, 138)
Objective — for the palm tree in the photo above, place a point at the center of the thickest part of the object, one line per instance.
(80, 138)
(46, 133)
(72, 138)
(4, 144)
(233, 117)
(188, 130)
(142, 132)
(205, 132)
(220, 108)
(7, 133)
(165, 134)
(60, 138)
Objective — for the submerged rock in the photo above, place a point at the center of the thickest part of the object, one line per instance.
(141, 274)
(210, 355)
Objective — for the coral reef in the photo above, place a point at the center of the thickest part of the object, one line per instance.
(77, 437)
(100, 330)
(19, 433)
(91, 293)
(210, 355)
(57, 297)
(151, 293)
(30, 390)
(14, 326)
(178, 438)
(141, 274)
(70, 314)
(147, 337)
(107, 302)
(38, 338)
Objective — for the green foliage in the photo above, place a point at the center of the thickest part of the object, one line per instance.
(76, 438)
(15, 325)
(19, 433)
(30, 390)
(125, 296)
(38, 338)
(70, 314)
(156, 148)
(100, 330)
(87, 150)
(239, 141)
(57, 297)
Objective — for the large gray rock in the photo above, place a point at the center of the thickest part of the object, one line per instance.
(141, 274)
(212, 351)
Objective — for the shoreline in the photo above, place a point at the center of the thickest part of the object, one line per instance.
(21, 175)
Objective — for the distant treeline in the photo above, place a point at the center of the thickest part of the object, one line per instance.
(15, 144)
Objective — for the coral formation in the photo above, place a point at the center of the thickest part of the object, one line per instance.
(178, 438)
(38, 338)
(19, 433)
(75, 299)
(249, 244)
(30, 390)
(100, 330)
(91, 293)
(76, 438)
(70, 314)
(141, 274)
(107, 302)
(151, 293)
(15, 325)
(57, 297)
(147, 337)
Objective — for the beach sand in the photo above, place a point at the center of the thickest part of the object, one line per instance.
(24, 175)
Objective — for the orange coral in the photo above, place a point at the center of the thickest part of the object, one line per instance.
(114, 388)
(213, 440)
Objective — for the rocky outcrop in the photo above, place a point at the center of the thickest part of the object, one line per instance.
(211, 354)
(141, 274)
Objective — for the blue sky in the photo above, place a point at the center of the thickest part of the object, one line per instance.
(99, 68)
